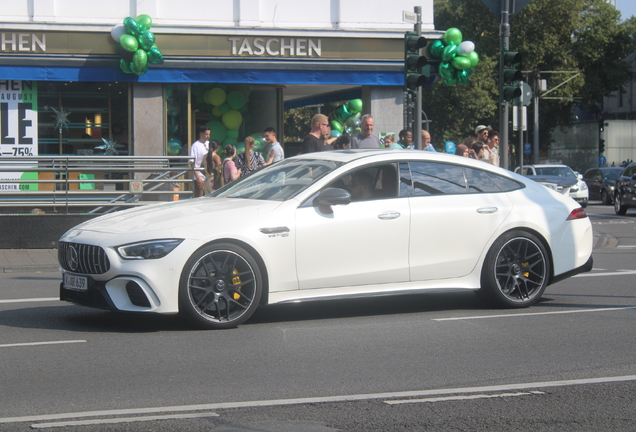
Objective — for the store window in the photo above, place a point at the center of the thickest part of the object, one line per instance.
(83, 119)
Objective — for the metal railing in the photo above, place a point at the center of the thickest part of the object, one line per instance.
(90, 184)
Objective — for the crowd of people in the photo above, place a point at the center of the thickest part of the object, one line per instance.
(483, 146)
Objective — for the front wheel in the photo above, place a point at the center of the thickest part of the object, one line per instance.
(220, 287)
(516, 270)
(619, 208)
(605, 197)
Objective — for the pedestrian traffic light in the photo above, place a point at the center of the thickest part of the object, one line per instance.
(511, 75)
(414, 61)
(601, 145)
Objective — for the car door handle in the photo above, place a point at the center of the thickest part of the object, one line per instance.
(389, 215)
(274, 230)
(487, 210)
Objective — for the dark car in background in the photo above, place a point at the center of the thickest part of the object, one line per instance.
(600, 182)
(625, 190)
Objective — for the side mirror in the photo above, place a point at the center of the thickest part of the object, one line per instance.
(330, 197)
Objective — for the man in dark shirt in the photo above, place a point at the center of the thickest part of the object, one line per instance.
(313, 142)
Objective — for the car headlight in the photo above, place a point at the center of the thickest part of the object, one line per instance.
(152, 249)
(611, 187)
(583, 186)
(574, 189)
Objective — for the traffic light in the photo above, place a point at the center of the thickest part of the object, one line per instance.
(601, 145)
(511, 75)
(414, 62)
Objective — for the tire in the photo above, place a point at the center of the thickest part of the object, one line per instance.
(516, 270)
(584, 204)
(220, 287)
(605, 197)
(619, 208)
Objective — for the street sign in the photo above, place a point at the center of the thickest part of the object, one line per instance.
(602, 161)
(450, 147)
(409, 17)
(527, 148)
(526, 94)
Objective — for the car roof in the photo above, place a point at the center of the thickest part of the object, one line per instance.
(350, 155)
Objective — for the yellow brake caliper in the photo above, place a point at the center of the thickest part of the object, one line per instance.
(526, 265)
(236, 280)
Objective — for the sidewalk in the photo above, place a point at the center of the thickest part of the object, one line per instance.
(28, 260)
(45, 260)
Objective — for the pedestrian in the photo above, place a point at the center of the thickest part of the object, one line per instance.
(388, 140)
(426, 141)
(276, 152)
(478, 151)
(313, 142)
(405, 140)
(213, 168)
(493, 147)
(462, 150)
(250, 160)
(342, 142)
(366, 139)
(198, 151)
(327, 139)
(230, 172)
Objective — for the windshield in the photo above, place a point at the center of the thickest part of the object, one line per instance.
(278, 182)
(611, 174)
(556, 171)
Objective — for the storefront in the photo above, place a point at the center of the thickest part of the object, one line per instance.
(84, 104)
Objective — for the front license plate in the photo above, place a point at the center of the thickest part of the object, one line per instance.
(78, 283)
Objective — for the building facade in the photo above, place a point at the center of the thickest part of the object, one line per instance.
(66, 87)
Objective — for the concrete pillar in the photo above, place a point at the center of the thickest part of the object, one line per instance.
(385, 104)
(148, 119)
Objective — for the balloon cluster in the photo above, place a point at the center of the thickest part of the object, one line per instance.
(347, 118)
(137, 45)
(458, 58)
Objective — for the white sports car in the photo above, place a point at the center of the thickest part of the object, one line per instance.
(331, 225)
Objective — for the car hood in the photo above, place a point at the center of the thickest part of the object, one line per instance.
(168, 216)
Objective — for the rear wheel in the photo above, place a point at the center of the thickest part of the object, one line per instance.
(619, 208)
(220, 287)
(605, 197)
(516, 270)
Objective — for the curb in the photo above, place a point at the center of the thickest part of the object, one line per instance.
(29, 269)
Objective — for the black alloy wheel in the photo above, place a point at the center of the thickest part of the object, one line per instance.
(619, 208)
(516, 270)
(605, 197)
(220, 287)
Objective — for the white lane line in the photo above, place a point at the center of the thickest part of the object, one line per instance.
(627, 246)
(121, 420)
(614, 273)
(457, 398)
(27, 300)
(325, 399)
(41, 343)
(514, 315)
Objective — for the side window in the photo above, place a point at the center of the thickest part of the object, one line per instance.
(371, 182)
(505, 184)
(479, 182)
(630, 171)
(406, 183)
(590, 174)
(431, 178)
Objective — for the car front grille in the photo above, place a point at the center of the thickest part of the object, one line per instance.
(82, 258)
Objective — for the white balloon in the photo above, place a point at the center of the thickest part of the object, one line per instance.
(465, 47)
(117, 32)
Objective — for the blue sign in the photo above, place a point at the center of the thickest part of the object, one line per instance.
(602, 161)
(450, 147)
(527, 148)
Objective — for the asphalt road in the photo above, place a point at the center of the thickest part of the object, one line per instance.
(439, 362)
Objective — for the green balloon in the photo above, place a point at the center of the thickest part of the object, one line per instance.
(437, 48)
(174, 146)
(336, 126)
(342, 113)
(224, 107)
(217, 130)
(144, 22)
(215, 96)
(445, 70)
(240, 147)
(453, 36)
(461, 63)
(233, 133)
(474, 58)
(355, 105)
(462, 76)
(129, 43)
(236, 100)
(140, 59)
(154, 56)
(131, 26)
(146, 40)
(216, 112)
(125, 66)
(449, 53)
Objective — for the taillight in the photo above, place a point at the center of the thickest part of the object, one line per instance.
(578, 213)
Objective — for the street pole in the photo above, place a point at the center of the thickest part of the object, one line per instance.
(535, 135)
(417, 130)
(503, 105)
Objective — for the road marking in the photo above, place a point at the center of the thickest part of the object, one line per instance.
(626, 246)
(121, 420)
(514, 315)
(325, 399)
(27, 300)
(614, 273)
(456, 398)
(41, 343)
